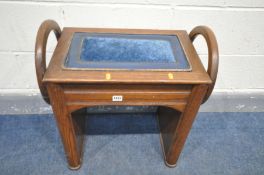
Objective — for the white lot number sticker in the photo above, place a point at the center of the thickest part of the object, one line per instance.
(117, 98)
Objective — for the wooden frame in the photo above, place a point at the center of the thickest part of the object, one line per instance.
(178, 94)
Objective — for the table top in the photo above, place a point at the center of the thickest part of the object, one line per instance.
(95, 55)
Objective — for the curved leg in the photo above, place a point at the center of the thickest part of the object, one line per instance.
(175, 126)
(71, 128)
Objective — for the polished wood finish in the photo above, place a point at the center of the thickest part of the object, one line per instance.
(79, 96)
(175, 125)
(70, 129)
(213, 55)
(59, 74)
(71, 91)
(40, 52)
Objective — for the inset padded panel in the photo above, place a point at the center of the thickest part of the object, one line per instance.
(124, 51)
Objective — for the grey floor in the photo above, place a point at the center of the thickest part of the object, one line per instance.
(219, 143)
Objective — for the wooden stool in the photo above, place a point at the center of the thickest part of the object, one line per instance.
(130, 67)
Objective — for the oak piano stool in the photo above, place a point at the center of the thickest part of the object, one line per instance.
(130, 67)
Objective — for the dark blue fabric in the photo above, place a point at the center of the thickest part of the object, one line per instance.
(218, 144)
(126, 50)
(123, 51)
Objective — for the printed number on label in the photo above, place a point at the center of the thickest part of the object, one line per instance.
(117, 98)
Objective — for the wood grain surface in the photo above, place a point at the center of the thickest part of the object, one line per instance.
(178, 95)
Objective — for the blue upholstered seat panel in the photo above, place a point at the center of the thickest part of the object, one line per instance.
(124, 51)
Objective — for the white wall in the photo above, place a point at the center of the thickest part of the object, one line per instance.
(238, 25)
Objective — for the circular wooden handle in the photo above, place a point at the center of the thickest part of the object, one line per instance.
(40, 52)
(213, 55)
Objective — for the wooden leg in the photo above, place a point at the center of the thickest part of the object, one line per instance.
(168, 120)
(175, 126)
(70, 126)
